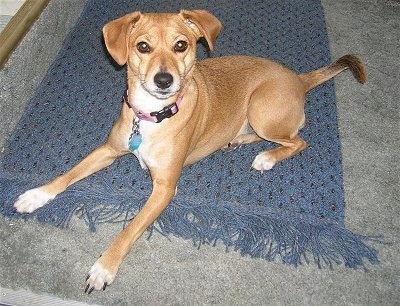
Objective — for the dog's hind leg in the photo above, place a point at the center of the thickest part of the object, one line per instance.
(276, 114)
(289, 147)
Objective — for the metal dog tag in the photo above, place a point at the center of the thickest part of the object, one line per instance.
(135, 139)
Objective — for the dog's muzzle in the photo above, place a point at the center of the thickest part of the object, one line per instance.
(163, 85)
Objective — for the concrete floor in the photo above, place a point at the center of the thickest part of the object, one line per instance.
(172, 272)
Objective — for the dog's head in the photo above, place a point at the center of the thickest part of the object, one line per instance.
(160, 49)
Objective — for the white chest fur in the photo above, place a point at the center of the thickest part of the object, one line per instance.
(146, 103)
(144, 151)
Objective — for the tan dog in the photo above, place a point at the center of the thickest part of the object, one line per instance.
(222, 102)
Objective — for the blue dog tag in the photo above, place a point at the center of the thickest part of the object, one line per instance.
(135, 141)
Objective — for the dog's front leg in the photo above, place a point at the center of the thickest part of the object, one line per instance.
(35, 198)
(103, 272)
(98, 159)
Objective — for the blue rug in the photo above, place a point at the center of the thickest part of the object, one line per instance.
(294, 212)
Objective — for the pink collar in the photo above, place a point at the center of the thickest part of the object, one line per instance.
(157, 116)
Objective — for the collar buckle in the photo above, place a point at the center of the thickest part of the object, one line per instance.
(167, 112)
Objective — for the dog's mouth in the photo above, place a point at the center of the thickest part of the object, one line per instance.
(161, 93)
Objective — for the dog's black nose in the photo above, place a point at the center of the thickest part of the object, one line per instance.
(163, 80)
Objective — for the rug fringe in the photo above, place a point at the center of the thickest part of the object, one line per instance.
(252, 232)
(267, 237)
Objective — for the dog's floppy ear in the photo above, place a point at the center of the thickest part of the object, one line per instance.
(116, 36)
(204, 24)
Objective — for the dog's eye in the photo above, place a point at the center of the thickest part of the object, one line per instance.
(180, 46)
(143, 47)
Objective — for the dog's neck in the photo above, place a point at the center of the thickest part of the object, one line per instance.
(150, 108)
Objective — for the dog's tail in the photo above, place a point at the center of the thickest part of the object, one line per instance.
(314, 78)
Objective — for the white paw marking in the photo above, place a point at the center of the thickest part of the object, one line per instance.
(32, 200)
(99, 278)
(262, 162)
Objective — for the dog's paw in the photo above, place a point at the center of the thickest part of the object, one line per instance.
(231, 146)
(262, 162)
(32, 200)
(98, 278)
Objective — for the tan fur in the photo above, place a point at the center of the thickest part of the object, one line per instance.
(227, 101)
